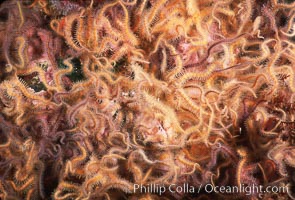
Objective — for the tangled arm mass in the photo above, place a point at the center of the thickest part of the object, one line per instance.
(98, 96)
